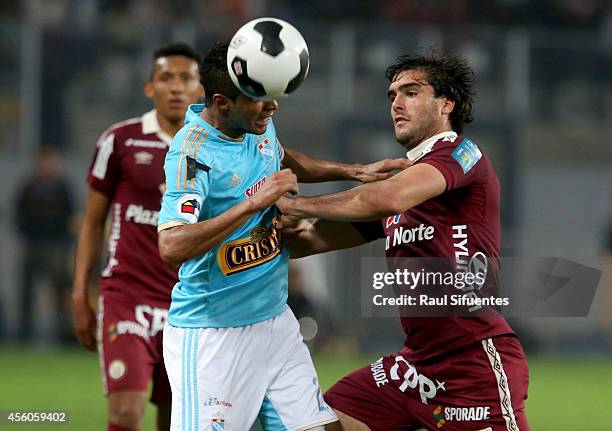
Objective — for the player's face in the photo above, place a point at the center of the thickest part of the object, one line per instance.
(416, 113)
(250, 115)
(174, 85)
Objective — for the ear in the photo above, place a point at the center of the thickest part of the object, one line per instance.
(221, 102)
(447, 106)
(149, 91)
(201, 92)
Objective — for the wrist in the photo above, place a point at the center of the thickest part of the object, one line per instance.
(356, 173)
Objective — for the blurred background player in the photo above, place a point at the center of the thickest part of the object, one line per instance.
(44, 212)
(126, 178)
(232, 347)
(473, 364)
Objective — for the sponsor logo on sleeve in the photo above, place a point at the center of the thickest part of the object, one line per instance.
(467, 155)
(189, 206)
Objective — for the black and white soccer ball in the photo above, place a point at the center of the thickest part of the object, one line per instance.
(267, 59)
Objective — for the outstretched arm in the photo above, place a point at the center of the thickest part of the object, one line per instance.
(310, 237)
(371, 201)
(311, 170)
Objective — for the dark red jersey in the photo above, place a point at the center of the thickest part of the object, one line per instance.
(128, 167)
(461, 225)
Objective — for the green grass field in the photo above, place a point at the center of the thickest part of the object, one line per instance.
(563, 394)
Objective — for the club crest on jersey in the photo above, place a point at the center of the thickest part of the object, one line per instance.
(143, 158)
(393, 220)
(467, 155)
(218, 422)
(189, 206)
(262, 245)
(265, 150)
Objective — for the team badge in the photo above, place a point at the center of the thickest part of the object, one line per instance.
(218, 422)
(467, 155)
(265, 150)
(143, 158)
(117, 369)
(189, 206)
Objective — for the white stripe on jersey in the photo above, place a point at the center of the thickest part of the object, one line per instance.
(104, 152)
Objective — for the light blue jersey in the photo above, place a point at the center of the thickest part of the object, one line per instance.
(243, 280)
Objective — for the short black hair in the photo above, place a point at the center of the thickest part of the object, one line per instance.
(176, 48)
(214, 75)
(450, 77)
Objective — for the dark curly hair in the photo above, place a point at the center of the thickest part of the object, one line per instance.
(450, 77)
(177, 48)
(214, 75)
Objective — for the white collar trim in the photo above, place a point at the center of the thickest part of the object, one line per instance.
(151, 125)
(427, 145)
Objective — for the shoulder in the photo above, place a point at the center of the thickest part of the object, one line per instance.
(123, 129)
(461, 150)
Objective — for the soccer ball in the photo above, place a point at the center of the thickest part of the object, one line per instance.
(267, 59)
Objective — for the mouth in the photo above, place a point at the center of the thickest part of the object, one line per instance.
(263, 122)
(398, 120)
(177, 103)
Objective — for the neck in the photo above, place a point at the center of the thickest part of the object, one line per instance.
(214, 118)
(169, 126)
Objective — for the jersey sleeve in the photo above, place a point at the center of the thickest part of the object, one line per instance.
(280, 150)
(105, 170)
(460, 165)
(186, 183)
(369, 230)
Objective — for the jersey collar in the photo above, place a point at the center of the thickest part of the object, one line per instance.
(426, 146)
(150, 125)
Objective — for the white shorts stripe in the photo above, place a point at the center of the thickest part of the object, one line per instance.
(505, 400)
(194, 378)
(99, 335)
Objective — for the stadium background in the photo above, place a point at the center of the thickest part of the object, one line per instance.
(70, 68)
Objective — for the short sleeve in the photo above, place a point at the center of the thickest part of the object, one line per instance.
(460, 165)
(186, 187)
(280, 150)
(369, 230)
(105, 171)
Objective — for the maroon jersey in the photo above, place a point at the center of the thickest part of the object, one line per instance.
(462, 224)
(128, 168)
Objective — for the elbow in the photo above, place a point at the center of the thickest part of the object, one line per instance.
(390, 204)
(168, 251)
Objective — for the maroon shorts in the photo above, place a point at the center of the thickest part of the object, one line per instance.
(130, 347)
(479, 387)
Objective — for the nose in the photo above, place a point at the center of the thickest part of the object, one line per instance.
(271, 105)
(396, 104)
(177, 86)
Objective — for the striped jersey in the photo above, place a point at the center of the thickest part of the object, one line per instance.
(242, 280)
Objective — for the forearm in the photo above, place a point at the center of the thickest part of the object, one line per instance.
(364, 203)
(184, 242)
(320, 236)
(311, 170)
(87, 252)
